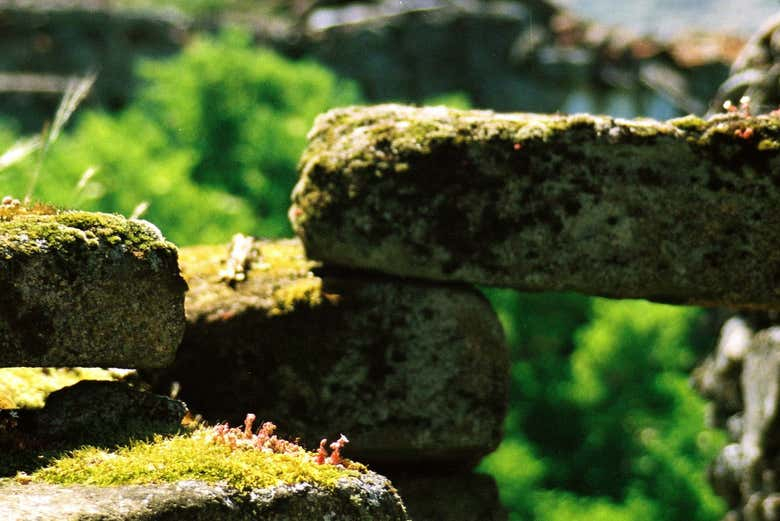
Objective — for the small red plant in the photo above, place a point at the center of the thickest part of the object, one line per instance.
(744, 133)
(743, 109)
(266, 441)
(335, 456)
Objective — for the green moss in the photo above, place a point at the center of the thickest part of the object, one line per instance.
(33, 233)
(304, 292)
(689, 123)
(280, 281)
(28, 387)
(189, 457)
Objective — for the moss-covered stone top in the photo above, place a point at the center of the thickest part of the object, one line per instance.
(278, 280)
(30, 233)
(352, 138)
(681, 211)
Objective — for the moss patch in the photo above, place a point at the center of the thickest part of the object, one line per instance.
(189, 457)
(279, 281)
(32, 233)
(28, 387)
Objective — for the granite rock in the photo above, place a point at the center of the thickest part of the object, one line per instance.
(369, 497)
(408, 370)
(682, 211)
(746, 471)
(455, 496)
(99, 413)
(87, 289)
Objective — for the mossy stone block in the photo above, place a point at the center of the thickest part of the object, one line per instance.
(408, 370)
(682, 211)
(87, 289)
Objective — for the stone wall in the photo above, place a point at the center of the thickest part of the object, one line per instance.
(508, 55)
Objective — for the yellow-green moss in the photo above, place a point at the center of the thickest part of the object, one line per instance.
(189, 457)
(279, 281)
(32, 233)
(28, 387)
(689, 123)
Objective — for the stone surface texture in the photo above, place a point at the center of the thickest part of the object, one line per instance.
(743, 377)
(367, 498)
(88, 289)
(87, 413)
(683, 211)
(408, 370)
(754, 72)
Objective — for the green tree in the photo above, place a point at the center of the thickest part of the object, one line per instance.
(600, 396)
(211, 143)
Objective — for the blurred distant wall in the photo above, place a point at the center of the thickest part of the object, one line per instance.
(503, 55)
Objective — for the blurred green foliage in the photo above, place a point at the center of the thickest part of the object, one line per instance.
(602, 424)
(211, 143)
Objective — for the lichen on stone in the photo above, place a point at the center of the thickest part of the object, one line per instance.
(548, 202)
(331, 352)
(87, 289)
(279, 280)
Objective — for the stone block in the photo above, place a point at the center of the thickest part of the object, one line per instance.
(408, 370)
(682, 211)
(369, 497)
(87, 289)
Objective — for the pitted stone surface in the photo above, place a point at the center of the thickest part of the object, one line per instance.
(408, 370)
(367, 498)
(87, 289)
(683, 211)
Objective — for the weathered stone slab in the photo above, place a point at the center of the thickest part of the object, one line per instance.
(683, 211)
(408, 370)
(364, 498)
(87, 289)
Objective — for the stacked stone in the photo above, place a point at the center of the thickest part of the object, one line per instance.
(383, 338)
(369, 325)
(621, 208)
(742, 378)
(415, 373)
(88, 289)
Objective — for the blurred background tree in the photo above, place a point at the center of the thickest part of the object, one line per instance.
(602, 424)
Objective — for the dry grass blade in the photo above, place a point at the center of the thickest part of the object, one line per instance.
(75, 93)
(20, 150)
(140, 210)
(88, 174)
